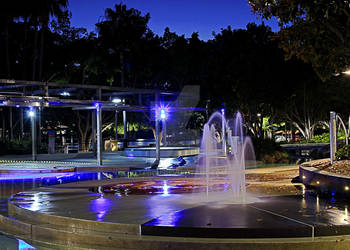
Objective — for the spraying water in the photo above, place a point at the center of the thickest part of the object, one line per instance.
(225, 161)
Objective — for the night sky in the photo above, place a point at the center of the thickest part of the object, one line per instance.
(181, 16)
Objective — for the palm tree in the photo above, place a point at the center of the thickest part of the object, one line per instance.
(120, 31)
(8, 13)
(41, 12)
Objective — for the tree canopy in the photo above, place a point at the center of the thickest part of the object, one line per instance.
(317, 32)
(242, 69)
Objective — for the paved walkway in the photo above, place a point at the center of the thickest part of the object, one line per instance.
(53, 161)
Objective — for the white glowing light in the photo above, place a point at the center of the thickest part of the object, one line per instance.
(31, 113)
(165, 188)
(65, 93)
(117, 100)
(163, 114)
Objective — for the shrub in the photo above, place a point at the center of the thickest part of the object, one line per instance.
(343, 153)
(269, 151)
(19, 147)
(323, 138)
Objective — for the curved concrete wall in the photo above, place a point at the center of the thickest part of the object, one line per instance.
(325, 182)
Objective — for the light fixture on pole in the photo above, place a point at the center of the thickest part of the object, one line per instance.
(116, 100)
(31, 112)
(163, 114)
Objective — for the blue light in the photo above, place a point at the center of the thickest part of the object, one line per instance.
(222, 111)
(31, 112)
(165, 188)
(101, 207)
(65, 93)
(116, 100)
(163, 113)
(24, 245)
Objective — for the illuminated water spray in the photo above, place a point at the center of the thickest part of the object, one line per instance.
(219, 164)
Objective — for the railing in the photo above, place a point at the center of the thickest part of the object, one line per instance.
(71, 147)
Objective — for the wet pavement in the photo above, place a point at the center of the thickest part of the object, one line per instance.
(10, 243)
(285, 210)
(275, 206)
(271, 217)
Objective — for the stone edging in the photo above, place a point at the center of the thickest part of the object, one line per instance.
(323, 181)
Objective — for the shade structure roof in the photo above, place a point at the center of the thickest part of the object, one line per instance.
(17, 93)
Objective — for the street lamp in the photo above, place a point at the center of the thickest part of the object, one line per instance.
(116, 100)
(163, 114)
(31, 114)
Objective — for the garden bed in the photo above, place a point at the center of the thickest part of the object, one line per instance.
(341, 167)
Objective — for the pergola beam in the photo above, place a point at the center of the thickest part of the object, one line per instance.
(25, 98)
(19, 83)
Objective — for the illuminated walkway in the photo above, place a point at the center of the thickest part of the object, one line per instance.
(55, 161)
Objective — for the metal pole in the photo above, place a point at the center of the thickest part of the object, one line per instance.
(157, 127)
(93, 128)
(34, 137)
(21, 123)
(125, 129)
(116, 124)
(332, 136)
(11, 124)
(164, 132)
(223, 132)
(99, 134)
(3, 125)
(39, 126)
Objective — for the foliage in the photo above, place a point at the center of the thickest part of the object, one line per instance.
(343, 153)
(322, 138)
(269, 151)
(244, 69)
(20, 147)
(315, 31)
(196, 121)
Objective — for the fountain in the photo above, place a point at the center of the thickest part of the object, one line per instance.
(218, 163)
(214, 205)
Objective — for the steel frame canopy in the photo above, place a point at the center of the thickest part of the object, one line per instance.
(39, 96)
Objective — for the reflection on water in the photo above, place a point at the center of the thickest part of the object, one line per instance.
(10, 243)
(22, 245)
(15, 183)
(100, 206)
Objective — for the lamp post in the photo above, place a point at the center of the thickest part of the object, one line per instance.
(332, 135)
(31, 114)
(223, 131)
(157, 105)
(163, 114)
(99, 133)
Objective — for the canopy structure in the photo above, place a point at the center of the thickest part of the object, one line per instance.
(97, 98)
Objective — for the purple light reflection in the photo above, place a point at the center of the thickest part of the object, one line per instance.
(165, 189)
(31, 176)
(101, 207)
(170, 220)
